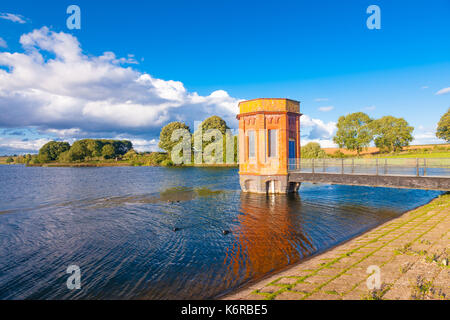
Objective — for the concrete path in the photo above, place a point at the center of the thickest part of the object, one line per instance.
(411, 252)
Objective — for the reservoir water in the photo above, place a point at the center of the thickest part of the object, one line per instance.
(158, 233)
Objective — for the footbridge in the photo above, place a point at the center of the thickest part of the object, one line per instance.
(270, 159)
(414, 173)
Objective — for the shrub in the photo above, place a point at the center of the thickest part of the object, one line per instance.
(312, 150)
(155, 158)
(51, 150)
(66, 156)
(167, 163)
(108, 151)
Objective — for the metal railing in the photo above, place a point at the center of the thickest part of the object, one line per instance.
(439, 167)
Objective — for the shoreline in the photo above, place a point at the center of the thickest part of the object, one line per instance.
(112, 164)
(411, 264)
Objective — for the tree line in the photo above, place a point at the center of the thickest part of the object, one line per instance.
(167, 143)
(83, 150)
(103, 149)
(357, 130)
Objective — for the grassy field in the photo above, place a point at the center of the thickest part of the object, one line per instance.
(370, 151)
(432, 154)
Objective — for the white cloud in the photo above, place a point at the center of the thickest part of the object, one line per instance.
(443, 91)
(425, 135)
(17, 146)
(321, 99)
(141, 145)
(3, 43)
(12, 17)
(315, 130)
(370, 108)
(324, 143)
(68, 93)
(424, 87)
(326, 108)
(110, 56)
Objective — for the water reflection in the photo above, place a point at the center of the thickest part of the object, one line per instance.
(269, 235)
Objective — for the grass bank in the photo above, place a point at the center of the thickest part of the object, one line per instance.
(122, 164)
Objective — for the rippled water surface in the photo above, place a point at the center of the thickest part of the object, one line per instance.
(117, 224)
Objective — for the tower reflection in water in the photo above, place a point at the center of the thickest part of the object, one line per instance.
(268, 235)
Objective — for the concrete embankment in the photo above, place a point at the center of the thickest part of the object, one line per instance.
(408, 255)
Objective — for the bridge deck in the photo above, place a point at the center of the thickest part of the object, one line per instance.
(391, 181)
(430, 174)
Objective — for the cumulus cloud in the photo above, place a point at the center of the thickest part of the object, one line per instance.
(326, 108)
(54, 87)
(443, 91)
(321, 99)
(316, 130)
(14, 145)
(426, 138)
(59, 92)
(141, 145)
(12, 17)
(110, 56)
(3, 43)
(424, 135)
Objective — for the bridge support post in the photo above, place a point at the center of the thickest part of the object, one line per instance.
(417, 167)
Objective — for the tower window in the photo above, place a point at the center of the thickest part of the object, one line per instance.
(273, 146)
(251, 144)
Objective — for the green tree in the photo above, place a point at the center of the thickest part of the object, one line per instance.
(51, 150)
(167, 163)
(165, 141)
(79, 151)
(236, 149)
(130, 155)
(9, 160)
(391, 133)
(35, 159)
(27, 158)
(353, 131)
(443, 129)
(213, 123)
(66, 156)
(155, 158)
(93, 148)
(312, 150)
(108, 151)
(121, 147)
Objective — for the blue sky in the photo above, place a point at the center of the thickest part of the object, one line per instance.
(186, 60)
